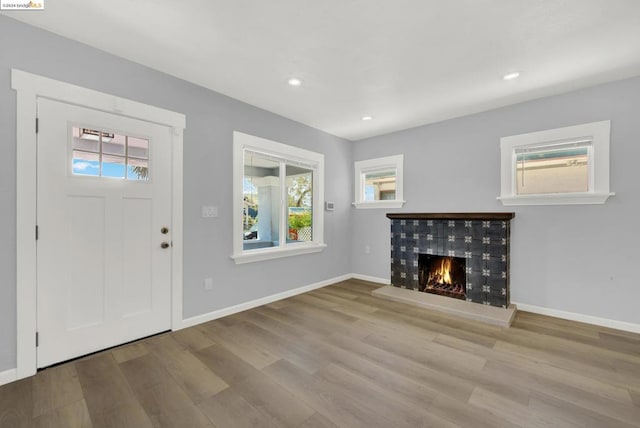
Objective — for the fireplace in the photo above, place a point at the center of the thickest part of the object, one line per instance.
(442, 275)
(456, 263)
(474, 247)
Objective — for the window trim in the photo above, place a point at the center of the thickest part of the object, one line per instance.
(242, 142)
(599, 135)
(389, 162)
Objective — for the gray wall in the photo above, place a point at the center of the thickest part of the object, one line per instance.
(571, 258)
(211, 120)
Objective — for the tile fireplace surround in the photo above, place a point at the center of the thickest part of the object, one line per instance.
(480, 238)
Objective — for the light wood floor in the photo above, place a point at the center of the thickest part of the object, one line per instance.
(339, 357)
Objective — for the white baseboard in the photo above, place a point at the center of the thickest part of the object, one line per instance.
(376, 279)
(199, 319)
(8, 376)
(572, 316)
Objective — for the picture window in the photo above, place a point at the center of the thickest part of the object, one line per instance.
(279, 199)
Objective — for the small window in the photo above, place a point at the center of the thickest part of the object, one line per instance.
(558, 166)
(555, 168)
(278, 199)
(378, 182)
(380, 185)
(104, 154)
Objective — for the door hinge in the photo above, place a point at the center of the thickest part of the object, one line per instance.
(37, 232)
(37, 125)
(37, 339)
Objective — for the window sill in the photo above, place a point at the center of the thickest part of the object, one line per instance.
(379, 204)
(556, 199)
(276, 253)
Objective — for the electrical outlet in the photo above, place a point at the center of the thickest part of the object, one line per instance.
(209, 211)
(367, 249)
(208, 284)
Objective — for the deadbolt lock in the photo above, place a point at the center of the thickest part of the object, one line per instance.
(164, 230)
(164, 245)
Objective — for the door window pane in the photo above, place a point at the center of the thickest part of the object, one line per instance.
(137, 169)
(86, 142)
(115, 145)
(299, 182)
(105, 154)
(85, 163)
(113, 166)
(262, 201)
(138, 147)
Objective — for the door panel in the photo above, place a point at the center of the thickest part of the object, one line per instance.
(85, 271)
(137, 288)
(103, 277)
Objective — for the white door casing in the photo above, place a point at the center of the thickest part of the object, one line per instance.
(30, 88)
(103, 277)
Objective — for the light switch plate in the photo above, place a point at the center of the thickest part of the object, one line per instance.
(209, 211)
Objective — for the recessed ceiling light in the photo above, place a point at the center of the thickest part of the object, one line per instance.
(511, 76)
(294, 81)
(366, 118)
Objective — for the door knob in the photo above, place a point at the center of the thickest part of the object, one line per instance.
(164, 245)
(164, 230)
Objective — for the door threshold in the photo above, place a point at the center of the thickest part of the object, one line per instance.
(101, 350)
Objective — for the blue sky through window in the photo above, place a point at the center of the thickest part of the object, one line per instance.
(86, 167)
(109, 169)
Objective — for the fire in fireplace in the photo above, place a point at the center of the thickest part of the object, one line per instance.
(442, 275)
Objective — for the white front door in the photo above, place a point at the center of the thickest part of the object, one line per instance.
(104, 219)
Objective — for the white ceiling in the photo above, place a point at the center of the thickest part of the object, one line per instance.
(404, 62)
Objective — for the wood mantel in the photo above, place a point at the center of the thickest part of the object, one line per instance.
(452, 216)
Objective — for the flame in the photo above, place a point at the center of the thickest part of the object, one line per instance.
(442, 274)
